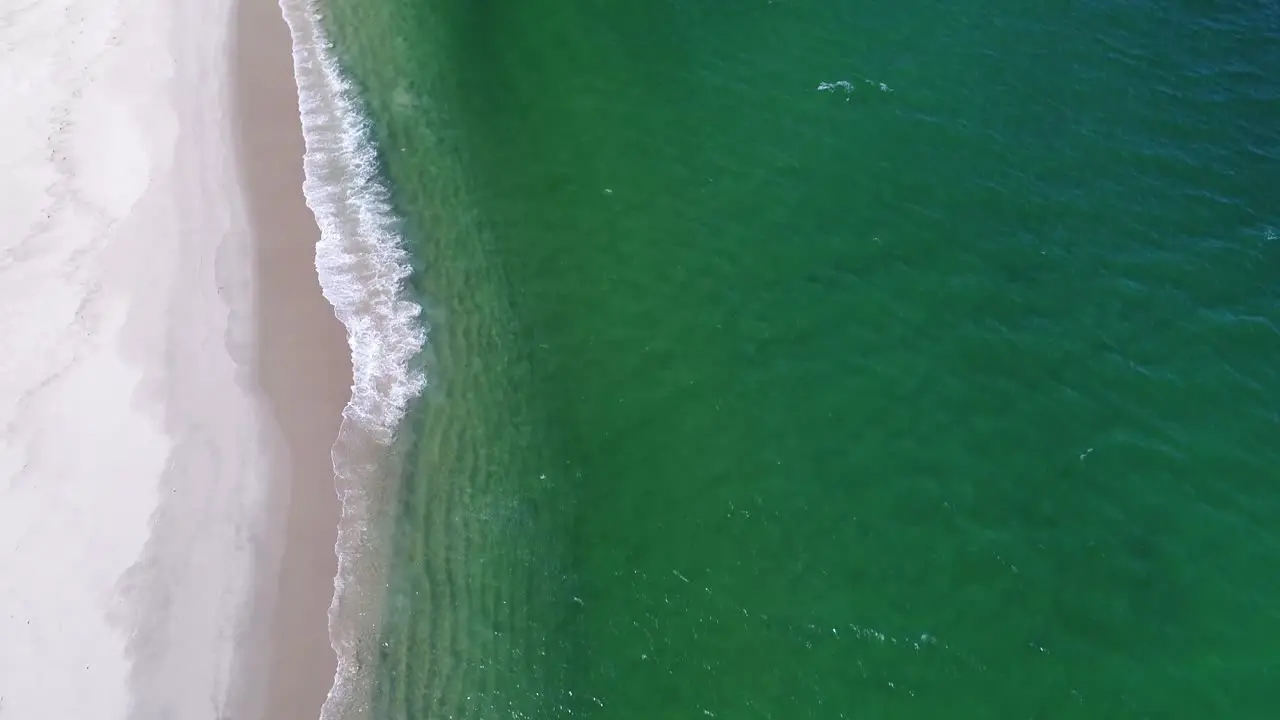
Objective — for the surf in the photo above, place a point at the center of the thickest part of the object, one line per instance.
(363, 270)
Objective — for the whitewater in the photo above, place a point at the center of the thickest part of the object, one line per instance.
(363, 269)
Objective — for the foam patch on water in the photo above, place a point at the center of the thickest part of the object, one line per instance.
(362, 267)
(839, 85)
(847, 87)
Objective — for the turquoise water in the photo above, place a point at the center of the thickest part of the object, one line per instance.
(947, 390)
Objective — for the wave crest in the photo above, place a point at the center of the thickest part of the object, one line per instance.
(362, 267)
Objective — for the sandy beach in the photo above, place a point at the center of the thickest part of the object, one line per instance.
(172, 379)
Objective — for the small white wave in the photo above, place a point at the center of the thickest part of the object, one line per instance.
(847, 87)
(844, 85)
(360, 260)
(362, 268)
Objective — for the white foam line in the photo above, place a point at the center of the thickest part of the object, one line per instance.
(361, 263)
(362, 269)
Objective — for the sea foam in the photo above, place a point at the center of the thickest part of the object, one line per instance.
(363, 269)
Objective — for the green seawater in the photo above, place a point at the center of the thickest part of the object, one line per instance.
(951, 391)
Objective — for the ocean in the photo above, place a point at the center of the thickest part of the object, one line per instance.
(802, 359)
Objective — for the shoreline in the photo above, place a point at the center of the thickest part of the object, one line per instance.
(305, 368)
(363, 268)
(167, 502)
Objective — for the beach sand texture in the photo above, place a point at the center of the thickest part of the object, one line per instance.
(171, 379)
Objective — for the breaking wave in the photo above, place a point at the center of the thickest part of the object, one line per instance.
(363, 268)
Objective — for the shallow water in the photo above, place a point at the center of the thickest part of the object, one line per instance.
(809, 360)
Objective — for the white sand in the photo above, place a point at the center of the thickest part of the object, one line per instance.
(140, 459)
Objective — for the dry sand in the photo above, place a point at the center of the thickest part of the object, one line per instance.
(170, 377)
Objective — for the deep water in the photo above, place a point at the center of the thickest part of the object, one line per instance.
(804, 359)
